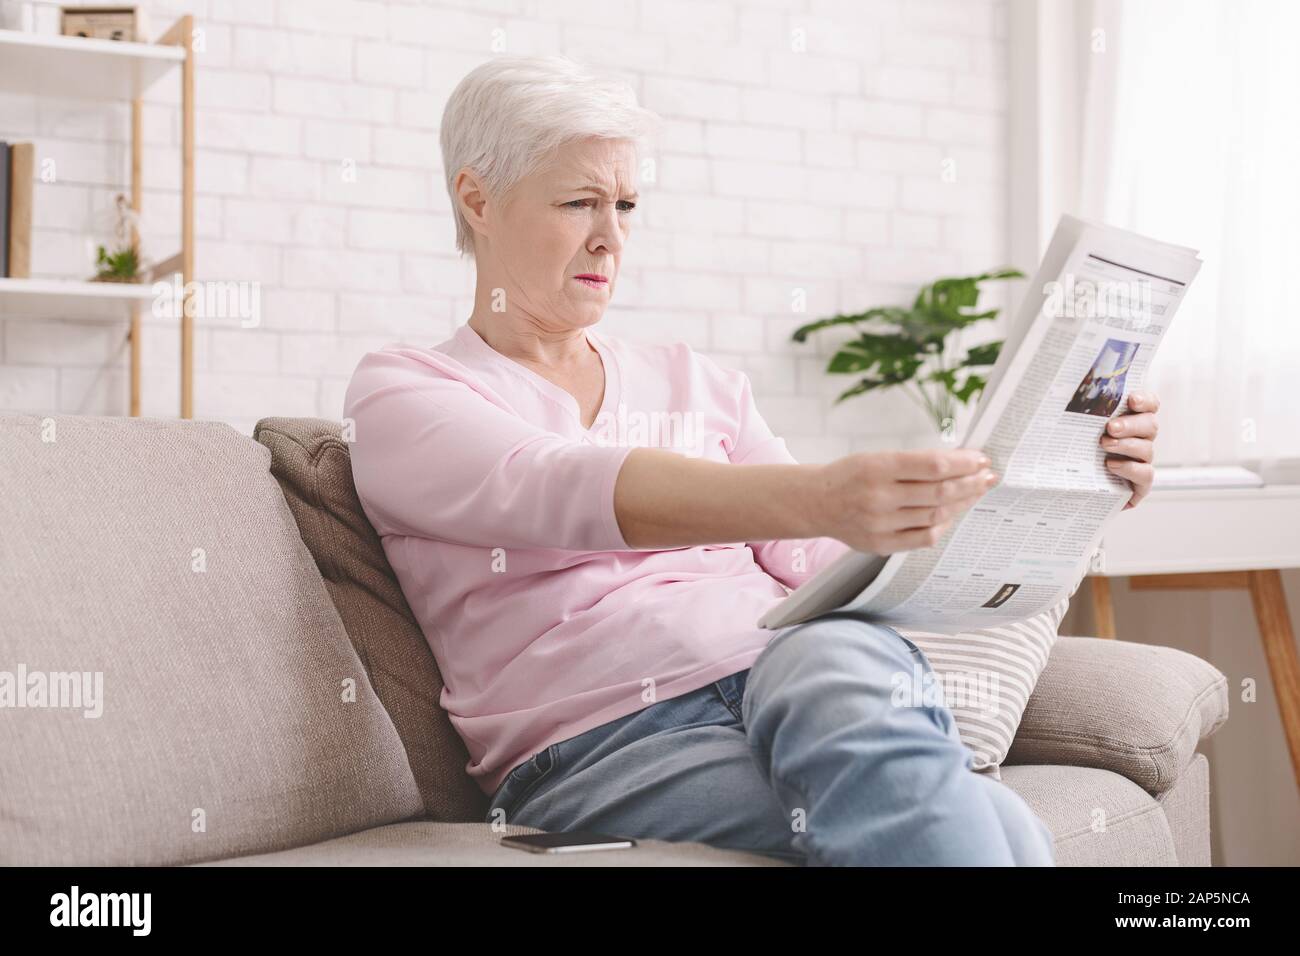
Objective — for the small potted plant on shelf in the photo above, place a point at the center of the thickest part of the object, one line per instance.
(916, 347)
(123, 263)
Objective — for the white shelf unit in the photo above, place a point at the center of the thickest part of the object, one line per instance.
(63, 298)
(37, 65)
(83, 68)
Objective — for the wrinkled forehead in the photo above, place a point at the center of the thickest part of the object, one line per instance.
(609, 165)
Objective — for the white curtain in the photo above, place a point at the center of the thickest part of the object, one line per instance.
(1191, 134)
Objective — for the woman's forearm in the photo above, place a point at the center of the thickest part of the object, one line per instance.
(666, 500)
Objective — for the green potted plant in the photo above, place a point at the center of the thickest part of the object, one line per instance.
(916, 347)
(120, 266)
(123, 263)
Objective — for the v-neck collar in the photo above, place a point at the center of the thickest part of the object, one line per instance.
(476, 343)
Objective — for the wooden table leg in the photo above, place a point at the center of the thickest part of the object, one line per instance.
(1103, 611)
(1279, 649)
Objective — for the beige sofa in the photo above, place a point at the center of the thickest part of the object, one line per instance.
(267, 697)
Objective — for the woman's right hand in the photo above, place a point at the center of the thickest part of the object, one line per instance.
(884, 502)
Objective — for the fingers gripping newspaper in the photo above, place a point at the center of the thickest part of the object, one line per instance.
(1081, 341)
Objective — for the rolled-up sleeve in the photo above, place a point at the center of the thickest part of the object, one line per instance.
(792, 561)
(433, 457)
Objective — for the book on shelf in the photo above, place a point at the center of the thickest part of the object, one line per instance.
(17, 172)
(4, 208)
(22, 177)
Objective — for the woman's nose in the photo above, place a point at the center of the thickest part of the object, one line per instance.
(607, 231)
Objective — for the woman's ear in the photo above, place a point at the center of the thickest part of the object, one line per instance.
(472, 196)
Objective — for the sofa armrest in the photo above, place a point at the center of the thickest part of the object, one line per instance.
(1135, 709)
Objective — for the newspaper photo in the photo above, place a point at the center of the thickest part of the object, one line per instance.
(1082, 340)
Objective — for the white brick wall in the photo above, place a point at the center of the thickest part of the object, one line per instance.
(804, 150)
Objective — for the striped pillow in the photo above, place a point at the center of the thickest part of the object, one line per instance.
(987, 676)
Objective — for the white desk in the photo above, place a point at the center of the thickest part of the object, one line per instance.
(1235, 538)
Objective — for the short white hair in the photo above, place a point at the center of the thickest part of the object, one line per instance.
(507, 116)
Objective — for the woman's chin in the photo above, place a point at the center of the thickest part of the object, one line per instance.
(588, 312)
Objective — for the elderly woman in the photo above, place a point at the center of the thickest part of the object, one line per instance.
(590, 594)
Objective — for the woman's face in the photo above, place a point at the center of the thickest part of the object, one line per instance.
(570, 219)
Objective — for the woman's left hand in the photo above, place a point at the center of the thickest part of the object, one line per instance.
(1129, 439)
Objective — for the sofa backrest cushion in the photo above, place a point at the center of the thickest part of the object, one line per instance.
(313, 464)
(150, 570)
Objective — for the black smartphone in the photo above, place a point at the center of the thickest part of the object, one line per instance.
(576, 842)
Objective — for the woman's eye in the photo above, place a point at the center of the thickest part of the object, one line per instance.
(625, 205)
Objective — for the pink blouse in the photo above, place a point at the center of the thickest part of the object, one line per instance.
(495, 507)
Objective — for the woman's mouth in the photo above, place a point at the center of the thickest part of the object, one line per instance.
(592, 280)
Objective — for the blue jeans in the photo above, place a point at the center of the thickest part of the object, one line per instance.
(805, 756)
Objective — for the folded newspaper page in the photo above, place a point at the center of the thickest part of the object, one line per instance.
(1082, 340)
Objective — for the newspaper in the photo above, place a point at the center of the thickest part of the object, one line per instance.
(1082, 340)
